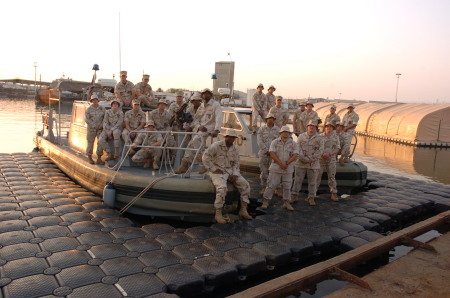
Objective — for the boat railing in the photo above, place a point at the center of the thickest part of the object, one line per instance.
(168, 160)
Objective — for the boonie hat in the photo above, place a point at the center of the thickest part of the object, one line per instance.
(272, 86)
(150, 122)
(116, 100)
(309, 103)
(333, 107)
(123, 73)
(230, 133)
(162, 100)
(196, 96)
(136, 101)
(312, 122)
(260, 85)
(180, 93)
(285, 128)
(351, 106)
(339, 123)
(329, 123)
(94, 96)
(302, 103)
(206, 90)
(278, 97)
(146, 76)
(270, 115)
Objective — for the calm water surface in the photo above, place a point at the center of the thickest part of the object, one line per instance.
(20, 118)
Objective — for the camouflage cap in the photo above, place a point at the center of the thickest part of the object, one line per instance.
(310, 103)
(329, 124)
(116, 100)
(302, 103)
(162, 100)
(180, 93)
(285, 128)
(196, 96)
(230, 133)
(136, 101)
(270, 115)
(273, 87)
(260, 85)
(278, 97)
(206, 90)
(150, 123)
(123, 73)
(94, 96)
(351, 106)
(312, 122)
(146, 76)
(333, 107)
(340, 123)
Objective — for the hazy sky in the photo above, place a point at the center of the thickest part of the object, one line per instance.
(335, 48)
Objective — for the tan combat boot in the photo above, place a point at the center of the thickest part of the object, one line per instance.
(99, 160)
(183, 167)
(265, 204)
(294, 198)
(155, 165)
(334, 197)
(110, 156)
(311, 201)
(218, 216)
(131, 152)
(147, 164)
(90, 160)
(287, 205)
(243, 212)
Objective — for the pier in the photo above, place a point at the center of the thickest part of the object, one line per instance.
(57, 239)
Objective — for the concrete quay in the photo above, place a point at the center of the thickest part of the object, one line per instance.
(59, 240)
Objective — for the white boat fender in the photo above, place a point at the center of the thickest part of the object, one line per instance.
(109, 194)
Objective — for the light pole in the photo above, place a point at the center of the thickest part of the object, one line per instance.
(396, 90)
(35, 89)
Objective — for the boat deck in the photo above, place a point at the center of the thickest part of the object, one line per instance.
(57, 239)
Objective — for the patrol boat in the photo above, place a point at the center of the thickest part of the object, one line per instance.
(189, 196)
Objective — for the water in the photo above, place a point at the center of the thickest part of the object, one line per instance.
(20, 118)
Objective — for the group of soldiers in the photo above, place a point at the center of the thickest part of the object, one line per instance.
(283, 162)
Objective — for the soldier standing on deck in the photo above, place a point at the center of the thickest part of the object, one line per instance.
(283, 152)
(328, 159)
(350, 121)
(112, 129)
(94, 119)
(281, 113)
(144, 92)
(259, 106)
(298, 125)
(270, 97)
(221, 159)
(124, 90)
(332, 118)
(266, 134)
(310, 148)
(134, 120)
(308, 115)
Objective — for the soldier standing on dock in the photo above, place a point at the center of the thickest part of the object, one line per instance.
(112, 129)
(350, 121)
(328, 159)
(221, 159)
(124, 90)
(94, 119)
(144, 90)
(266, 134)
(283, 152)
(310, 148)
(259, 106)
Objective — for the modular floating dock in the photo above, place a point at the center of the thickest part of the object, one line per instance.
(59, 240)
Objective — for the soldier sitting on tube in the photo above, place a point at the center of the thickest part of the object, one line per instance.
(221, 159)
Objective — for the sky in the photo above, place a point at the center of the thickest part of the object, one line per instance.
(347, 49)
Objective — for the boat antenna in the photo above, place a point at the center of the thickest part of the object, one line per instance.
(120, 49)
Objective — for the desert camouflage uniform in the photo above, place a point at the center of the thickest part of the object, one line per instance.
(333, 119)
(331, 142)
(259, 103)
(124, 90)
(111, 121)
(210, 116)
(135, 119)
(146, 90)
(219, 156)
(297, 121)
(308, 116)
(348, 120)
(265, 137)
(309, 149)
(146, 139)
(173, 108)
(343, 139)
(162, 123)
(277, 176)
(281, 115)
(94, 117)
(196, 116)
(270, 101)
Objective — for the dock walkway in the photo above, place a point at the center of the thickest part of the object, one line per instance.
(57, 239)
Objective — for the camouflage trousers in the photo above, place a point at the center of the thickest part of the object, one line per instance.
(103, 140)
(90, 137)
(256, 116)
(274, 181)
(299, 176)
(146, 153)
(264, 164)
(195, 143)
(330, 168)
(220, 183)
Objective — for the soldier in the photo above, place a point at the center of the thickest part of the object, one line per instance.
(308, 115)
(94, 119)
(134, 120)
(297, 119)
(222, 161)
(310, 148)
(161, 117)
(332, 117)
(350, 121)
(148, 154)
(259, 106)
(112, 129)
(266, 134)
(124, 90)
(328, 159)
(144, 91)
(283, 152)
(193, 109)
(281, 113)
(174, 107)
(343, 139)
(210, 115)
(270, 97)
